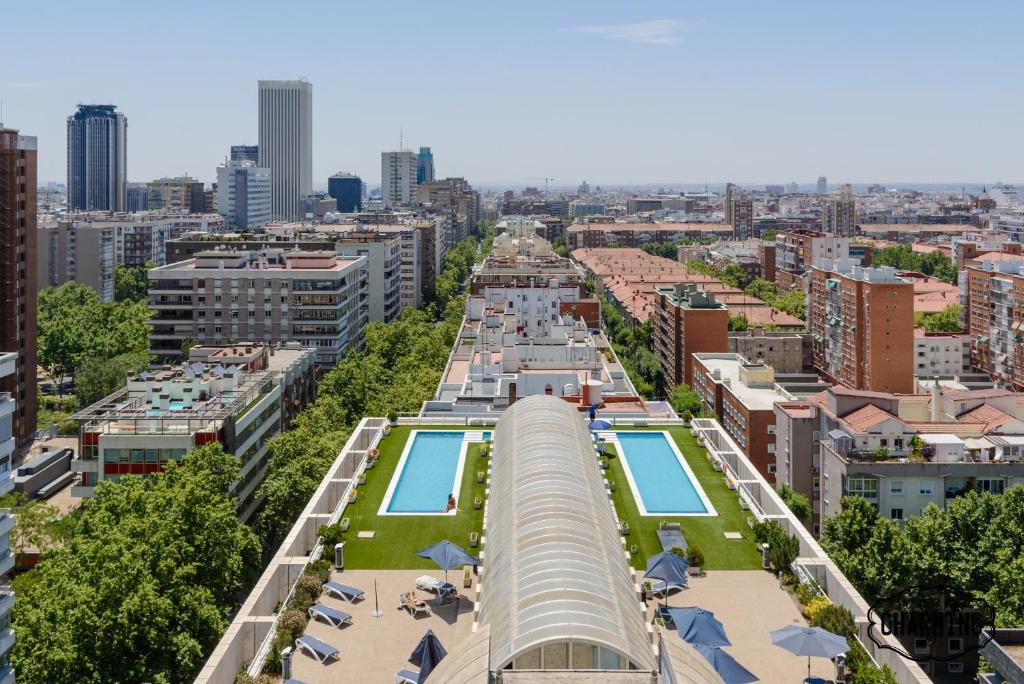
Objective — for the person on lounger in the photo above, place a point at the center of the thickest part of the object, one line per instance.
(451, 503)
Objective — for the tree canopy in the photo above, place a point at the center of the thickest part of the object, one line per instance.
(947, 320)
(904, 258)
(131, 283)
(143, 590)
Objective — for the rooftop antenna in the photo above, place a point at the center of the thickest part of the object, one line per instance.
(401, 134)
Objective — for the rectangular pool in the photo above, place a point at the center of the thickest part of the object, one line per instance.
(659, 476)
(429, 470)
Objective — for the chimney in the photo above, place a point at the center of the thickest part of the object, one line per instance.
(936, 393)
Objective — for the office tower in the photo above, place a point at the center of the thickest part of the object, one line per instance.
(862, 327)
(18, 273)
(181, 194)
(137, 197)
(316, 298)
(398, 178)
(424, 166)
(839, 215)
(347, 190)
(822, 185)
(245, 153)
(97, 158)
(244, 194)
(286, 143)
(687, 321)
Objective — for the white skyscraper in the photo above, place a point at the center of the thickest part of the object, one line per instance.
(398, 178)
(286, 143)
(243, 194)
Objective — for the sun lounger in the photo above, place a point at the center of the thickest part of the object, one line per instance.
(407, 677)
(670, 536)
(293, 681)
(413, 604)
(343, 591)
(317, 649)
(660, 587)
(327, 614)
(428, 583)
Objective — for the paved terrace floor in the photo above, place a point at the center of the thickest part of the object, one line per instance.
(750, 604)
(374, 649)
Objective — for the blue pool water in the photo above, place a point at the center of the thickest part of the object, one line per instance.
(661, 481)
(428, 475)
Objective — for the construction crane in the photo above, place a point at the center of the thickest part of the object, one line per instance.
(543, 178)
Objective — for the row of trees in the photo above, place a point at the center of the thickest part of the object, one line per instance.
(633, 347)
(398, 369)
(904, 258)
(732, 274)
(77, 331)
(144, 587)
(791, 302)
(973, 549)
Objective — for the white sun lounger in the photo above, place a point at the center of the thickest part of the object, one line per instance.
(407, 677)
(414, 609)
(317, 649)
(428, 583)
(327, 614)
(343, 591)
(659, 587)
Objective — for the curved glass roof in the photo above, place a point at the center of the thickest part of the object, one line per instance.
(555, 569)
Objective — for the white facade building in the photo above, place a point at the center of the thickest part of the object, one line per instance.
(8, 365)
(286, 143)
(398, 178)
(944, 355)
(244, 194)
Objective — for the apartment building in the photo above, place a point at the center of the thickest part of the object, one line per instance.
(411, 261)
(520, 255)
(456, 199)
(18, 263)
(636, 234)
(741, 217)
(238, 395)
(846, 442)
(383, 254)
(796, 251)
(992, 296)
(786, 352)
(8, 412)
(181, 194)
(941, 355)
(316, 298)
(766, 258)
(87, 248)
(861, 320)
(687, 321)
(839, 212)
(398, 178)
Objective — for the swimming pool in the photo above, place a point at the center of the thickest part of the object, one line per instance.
(430, 468)
(659, 476)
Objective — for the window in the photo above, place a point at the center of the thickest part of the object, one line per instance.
(926, 487)
(921, 646)
(955, 668)
(772, 468)
(955, 645)
(896, 514)
(895, 487)
(862, 486)
(990, 486)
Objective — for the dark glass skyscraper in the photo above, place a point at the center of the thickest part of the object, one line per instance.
(424, 166)
(97, 158)
(245, 153)
(347, 189)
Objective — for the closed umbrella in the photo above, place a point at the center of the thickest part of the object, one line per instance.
(599, 424)
(699, 626)
(427, 654)
(448, 555)
(668, 567)
(810, 641)
(725, 665)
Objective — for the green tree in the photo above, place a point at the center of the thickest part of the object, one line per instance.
(797, 502)
(99, 377)
(739, 323)
(152, 574)
(67, 318)
(734, 275)
(685, 399)
(947, 320)
(131, 283)
(764, 290)
(847, 532)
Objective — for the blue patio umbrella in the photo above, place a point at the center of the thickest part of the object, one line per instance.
(448, 555)
(725, 665)
(810, 641)
(427, 654)
(668, 567)
(599, 425)
(699, 626)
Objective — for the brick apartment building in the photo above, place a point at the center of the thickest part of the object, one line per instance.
(687, 320)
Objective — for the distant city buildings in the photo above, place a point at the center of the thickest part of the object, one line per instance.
(272, 296)
(137, 197)
(245, 153)
(840, 213)
(455, 199)
(398, 178)
(347, 190)
(822, 185)
(181, 194)
(424, 166)
(97, 158)
(18, 181)
(286, 143)
(244, 194)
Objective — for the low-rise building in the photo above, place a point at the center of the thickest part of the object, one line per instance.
(273, 296)
(941, 355)
(786, 352)
(594, 234)
(237, 395)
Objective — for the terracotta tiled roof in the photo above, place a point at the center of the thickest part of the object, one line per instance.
(986, 414)
(866, 417)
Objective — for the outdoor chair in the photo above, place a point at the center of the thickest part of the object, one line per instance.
(343, 591)
(327, 614)
(317, 649)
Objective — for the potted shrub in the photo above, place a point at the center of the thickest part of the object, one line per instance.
(362, 478)
(604, 463)
(611, 485)
(633, 549)
(467, 576)
(695, 557)
(645, 590)
(392, 419)
(477, 502)
(687, 418)
(474, 539)
(480, 477)
(624, 528)
(484, 450)
(352, 495)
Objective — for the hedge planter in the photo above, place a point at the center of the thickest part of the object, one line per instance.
(474, 539)
(352, 496)
(345, 522)
(362, 478)
(477, 503)
(480, 477)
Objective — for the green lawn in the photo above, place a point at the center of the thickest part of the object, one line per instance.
(702, 531)
(398, 537)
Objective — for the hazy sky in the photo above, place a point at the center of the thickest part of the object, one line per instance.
(611, 92)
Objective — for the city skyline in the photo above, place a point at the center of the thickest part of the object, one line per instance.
(773, 94)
